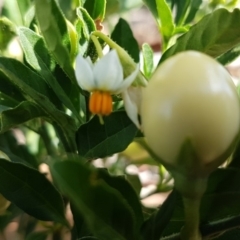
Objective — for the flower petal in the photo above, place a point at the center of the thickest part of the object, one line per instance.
(127, 81)
(131, 108)
(108, 72)
(84, 73)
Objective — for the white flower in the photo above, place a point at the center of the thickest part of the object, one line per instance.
(132, 100)
(104, 79)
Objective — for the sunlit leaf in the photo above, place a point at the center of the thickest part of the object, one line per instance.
(148, 65)
(166, 24)
(38, 57)
(54, 30)
(35, 89)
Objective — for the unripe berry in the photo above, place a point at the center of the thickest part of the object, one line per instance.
(191, 97)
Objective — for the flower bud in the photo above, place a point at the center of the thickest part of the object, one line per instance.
(191, 106)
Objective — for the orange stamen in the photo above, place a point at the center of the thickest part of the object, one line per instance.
(100, 103)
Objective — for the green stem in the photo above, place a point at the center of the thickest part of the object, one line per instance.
(43, 131)
(106, 39)
(190, 231)
(192, 189)
(97, 46)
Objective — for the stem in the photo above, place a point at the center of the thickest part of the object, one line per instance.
(97, 46)
(43, 131)
(101, 119)
(106, 39)
(190, 231)
(192, 190)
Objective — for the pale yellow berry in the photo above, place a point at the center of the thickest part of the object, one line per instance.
(190, 96)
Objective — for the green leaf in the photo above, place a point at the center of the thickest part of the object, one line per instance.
(105, 211)
(216, 215)
(96, 8)
(148, 65)
(194, 7)
(35, 90)
(18, 153)
(12, 212)
(15, 15)
(223, 184)
(27, 76)
(151, 4)
(95, 140)
(23, 6)
(230, 55)
(84, 27)
(182, 6)
(31, 191)
(38, 236)
(230, 234)
(128, 193)
(153, 227)
(24, 112)
(9, 95)
(166, 24)
(54, 30)
(123, 36)
(37, 56)
(215, 34)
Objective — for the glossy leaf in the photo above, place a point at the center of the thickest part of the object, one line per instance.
(25, 111)
(96, 8)
(38, 57)
(54, 30)
(148, 65)
(123, 36)
(95, 140)
(215, 34)
(105, 211)
(31, 191)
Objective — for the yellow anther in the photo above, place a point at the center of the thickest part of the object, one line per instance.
(100, 103)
